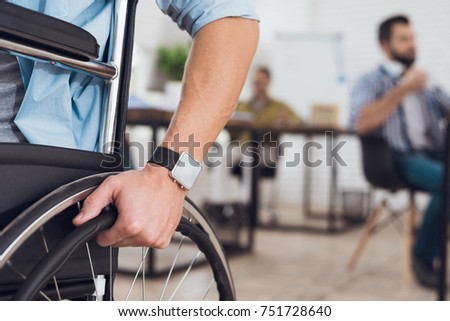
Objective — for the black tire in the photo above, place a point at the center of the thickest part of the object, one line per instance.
(41, 276)
(37, 243)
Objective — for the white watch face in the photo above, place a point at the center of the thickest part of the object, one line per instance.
(186, 171)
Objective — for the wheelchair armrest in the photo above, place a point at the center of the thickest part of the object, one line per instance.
(46, 33)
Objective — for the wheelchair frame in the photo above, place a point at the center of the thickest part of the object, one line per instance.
(69, 176)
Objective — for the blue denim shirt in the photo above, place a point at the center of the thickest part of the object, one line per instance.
(64, 109)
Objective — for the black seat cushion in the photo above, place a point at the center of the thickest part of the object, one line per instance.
(29, 172)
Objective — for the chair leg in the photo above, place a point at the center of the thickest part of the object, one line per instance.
(272, 202)
(367, 230)
(409, 241)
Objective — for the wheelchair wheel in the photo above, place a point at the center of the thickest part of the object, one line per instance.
(75, 268)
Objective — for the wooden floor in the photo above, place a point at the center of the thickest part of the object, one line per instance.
(299, 266)
(294, 266)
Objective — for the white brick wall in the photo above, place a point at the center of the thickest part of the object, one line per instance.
(357, 20)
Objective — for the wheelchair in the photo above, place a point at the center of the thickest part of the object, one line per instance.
(42, 255)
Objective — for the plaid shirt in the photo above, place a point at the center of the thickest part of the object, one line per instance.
(435, 105)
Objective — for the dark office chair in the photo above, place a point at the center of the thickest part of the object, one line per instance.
(380, 171)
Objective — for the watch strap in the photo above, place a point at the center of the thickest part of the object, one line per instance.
(165, 157)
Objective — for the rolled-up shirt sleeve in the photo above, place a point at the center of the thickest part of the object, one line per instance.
(192, 15)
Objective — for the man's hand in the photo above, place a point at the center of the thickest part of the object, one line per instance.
(414, 80)
(149, 204)
(148, 201)
(374, 114)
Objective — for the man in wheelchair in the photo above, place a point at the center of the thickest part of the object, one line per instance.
(148, 201)
(54, 79)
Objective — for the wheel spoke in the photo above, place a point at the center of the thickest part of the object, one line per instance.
(143, 272)
(172, 267)
(136, 276)
(55, 282)
(110, 274)
(185, 275)
(24, 278)
(207, 290)
(92, 271)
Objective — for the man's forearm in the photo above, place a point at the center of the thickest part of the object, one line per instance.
(149, 204)
(215, 74)
(375, 114)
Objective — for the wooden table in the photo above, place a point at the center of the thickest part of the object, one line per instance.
(157, 118)
(154, 117)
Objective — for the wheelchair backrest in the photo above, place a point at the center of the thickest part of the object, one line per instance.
(28, 171)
